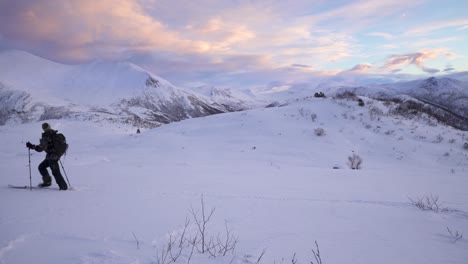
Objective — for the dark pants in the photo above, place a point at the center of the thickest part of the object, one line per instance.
(54, 166)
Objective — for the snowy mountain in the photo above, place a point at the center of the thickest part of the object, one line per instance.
(32, 88)
(443, 98)
(120, 91)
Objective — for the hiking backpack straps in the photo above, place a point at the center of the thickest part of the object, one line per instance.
(60, 144)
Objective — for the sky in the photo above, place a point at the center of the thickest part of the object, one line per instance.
(236, 43)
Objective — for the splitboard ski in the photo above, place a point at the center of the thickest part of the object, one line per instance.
(20, 187)
(25, 187)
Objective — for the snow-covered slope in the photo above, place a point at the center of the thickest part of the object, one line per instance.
(447, 93)
(269, 176)
(445, 98)
(112, 90)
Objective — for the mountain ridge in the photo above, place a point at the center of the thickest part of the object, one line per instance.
(33, 89)
(99, 90)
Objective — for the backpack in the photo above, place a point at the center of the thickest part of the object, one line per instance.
(60, 144)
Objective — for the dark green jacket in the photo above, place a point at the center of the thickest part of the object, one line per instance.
(47, 145)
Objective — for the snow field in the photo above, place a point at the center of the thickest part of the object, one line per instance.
(265, 171)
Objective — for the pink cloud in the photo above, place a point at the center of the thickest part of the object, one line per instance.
(79, 30)
(417, 58)
(361, 68)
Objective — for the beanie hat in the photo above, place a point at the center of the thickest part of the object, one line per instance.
(46, 127)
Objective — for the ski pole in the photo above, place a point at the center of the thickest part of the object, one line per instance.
(30, 178)
(65, 174)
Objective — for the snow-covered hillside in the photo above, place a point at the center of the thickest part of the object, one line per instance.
(275, 184)
(444, 98)
(118, 91)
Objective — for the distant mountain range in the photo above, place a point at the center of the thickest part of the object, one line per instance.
(34, 89)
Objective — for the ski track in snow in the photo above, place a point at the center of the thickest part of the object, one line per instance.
(450, 211)
(11, 246)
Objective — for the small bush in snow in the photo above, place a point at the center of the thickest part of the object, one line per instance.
(375, 113)
(429, 203)
(451, 141)
(465, 146)
(319, 95)
(303, 112)
(346, 95)
(360, 102)
(454, 235)
(313, 117)
(438, 139)
(355, 162)
(319, 132)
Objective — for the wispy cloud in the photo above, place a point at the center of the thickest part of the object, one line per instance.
(425, 42)
(383, 35)
(364, 12)
(461, 23)
(360, 68)
(417, 58)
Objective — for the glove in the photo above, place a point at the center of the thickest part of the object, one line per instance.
(30, 146)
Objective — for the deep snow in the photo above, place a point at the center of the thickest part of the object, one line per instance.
(266, 173)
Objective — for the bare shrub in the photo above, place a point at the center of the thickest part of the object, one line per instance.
(220, 247)
(295, 260)
(429, 203)
(179, 244)
(261, 256)
(202, 222)
(136, 241)
(303, 112)
(175, 246)
(313, 117)
(355, 162)
(316, 252)
(319, 131)
(215, 246)
(438, 139)
(465, 146)
(375, 113)
(454, 235)
(346, 95)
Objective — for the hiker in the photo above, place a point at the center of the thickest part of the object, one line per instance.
(52, 158)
